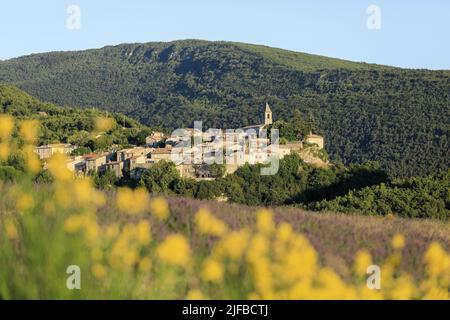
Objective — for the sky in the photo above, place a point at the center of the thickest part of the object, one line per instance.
(403, 33)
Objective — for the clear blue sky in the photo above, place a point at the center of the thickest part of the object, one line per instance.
(413, 34)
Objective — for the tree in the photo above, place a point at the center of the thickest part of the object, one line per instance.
(300, 128)
(216, 170)
(104, 180)
(312, 126)
(81, 151)
(160, 178)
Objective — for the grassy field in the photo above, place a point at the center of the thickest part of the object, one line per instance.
(68, 240)
(130, 245)
(336, 237)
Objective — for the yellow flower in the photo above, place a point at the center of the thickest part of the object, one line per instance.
(98, 270)
(174, 250)
(262, 278)
(143, 232)
(25, 202)
(212, 271)
(145, 264)
(130, 258)
(103, 124)
(437, 261)
(91, 229)
(363, 259)
(195, 294)
(58, 168)
(132, 202)
(4, 151)
(29, 130)
(403, 289)
(159, 208)
(32, 161)
(208, 224)
(233, 245)
(6, 127)
(437, 294)
(257, 248)
(264, 221)
(112, 230)
(11, 231)
(398, 241)
(83, 190)
(73, 223)
(284, 232)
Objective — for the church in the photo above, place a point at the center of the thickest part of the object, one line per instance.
(311, 138)
(258, 127)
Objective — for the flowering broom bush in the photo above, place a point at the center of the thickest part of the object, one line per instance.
(112, 240)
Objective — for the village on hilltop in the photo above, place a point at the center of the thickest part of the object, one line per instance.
(230, 148)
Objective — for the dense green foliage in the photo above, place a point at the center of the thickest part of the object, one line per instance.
(66, 125)
(70, 125)
(366, 112)
(364, 189)
(419, 197)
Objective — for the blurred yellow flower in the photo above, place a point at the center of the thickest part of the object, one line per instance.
(4, 151)
(132, 202)
(91, 229)
(73, 223)
(264, 221)
(104, 124)
(6, 127)
(284, 232)
(29, 130)
(159, 208)
(11, 230)
(212, 271)
(58, 168)
(112, 230)
(403, 288)
(195, 294)
(99, 271)
(437, 261)
(208, 224)
(83, 190)
(232, 245)
(130, 258)
(398, 241)
(25, 202)
(363, 259)
(174, 250)
(145, 264)
(437, 294)
(143, 232)
(32, 161)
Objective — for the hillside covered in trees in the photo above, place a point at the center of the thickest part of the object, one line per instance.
(70, 125)
(366, 112)
(363, 189)
(56, 124)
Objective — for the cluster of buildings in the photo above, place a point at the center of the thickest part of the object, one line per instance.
(192, 151)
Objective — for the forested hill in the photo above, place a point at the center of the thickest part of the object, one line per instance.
(70, 125)
(397, 116)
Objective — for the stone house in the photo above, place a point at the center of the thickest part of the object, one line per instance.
(45, 152)
(95, 163)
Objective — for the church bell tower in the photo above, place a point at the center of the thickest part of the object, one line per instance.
(267, 115)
